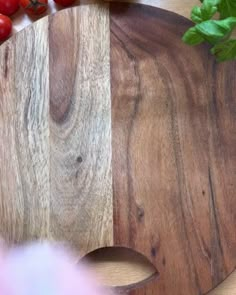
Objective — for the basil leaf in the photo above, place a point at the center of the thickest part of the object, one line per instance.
(227, 8)
(205, 12)
(212, 2)
(208, 12)
(191, 37)
(199, 15)
(225, 51)
(196, 15)
(214, 31)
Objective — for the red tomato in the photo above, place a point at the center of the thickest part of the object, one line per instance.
(34, 6)
(8, 7)
(64, 2)
(5, 27)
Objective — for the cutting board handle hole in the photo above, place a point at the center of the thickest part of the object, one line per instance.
(121, 268)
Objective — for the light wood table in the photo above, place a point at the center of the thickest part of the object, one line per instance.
(124, 268)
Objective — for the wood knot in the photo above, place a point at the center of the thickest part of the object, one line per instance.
(153, 251)
(79, 159)
(140, 213)
(163, 261)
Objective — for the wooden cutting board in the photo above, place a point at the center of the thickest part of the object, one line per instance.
(113, 132)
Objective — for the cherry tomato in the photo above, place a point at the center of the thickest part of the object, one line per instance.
(8, 7)
(64, 2)
(5, 27)
(34, 6)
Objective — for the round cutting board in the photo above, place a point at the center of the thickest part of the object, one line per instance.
(115, 133)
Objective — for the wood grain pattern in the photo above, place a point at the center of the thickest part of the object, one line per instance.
(56, 168)
(173, 169)
(174, 160)
(80, 126)
(183, 7)
(24, 133)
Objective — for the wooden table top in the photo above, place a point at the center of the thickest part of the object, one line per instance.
(183, 7)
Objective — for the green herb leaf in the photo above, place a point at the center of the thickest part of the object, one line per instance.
(214, 31)
(208, 12)
(212, 2)
(199, 15)
(191, 37)
(225, 51)
(196, 14)
(227, 8)
(205, 12)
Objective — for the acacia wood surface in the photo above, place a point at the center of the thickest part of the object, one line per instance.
(174, 159)
(173, 142)
(55, 148)
(80, 127)
(183, 7)
(24, 135)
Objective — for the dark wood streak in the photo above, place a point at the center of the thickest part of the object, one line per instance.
(63, 63)
(170, 124)
(136, 100)
(182, 184)
(26, 111)
(218, 264)
(131, 194)
(6, 61)
(140, 214)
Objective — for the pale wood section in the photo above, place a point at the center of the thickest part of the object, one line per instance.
(117, 267)
(81, 181)
(24, 134)
(228, 287)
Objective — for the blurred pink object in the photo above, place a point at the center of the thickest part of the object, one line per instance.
(41, 269)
